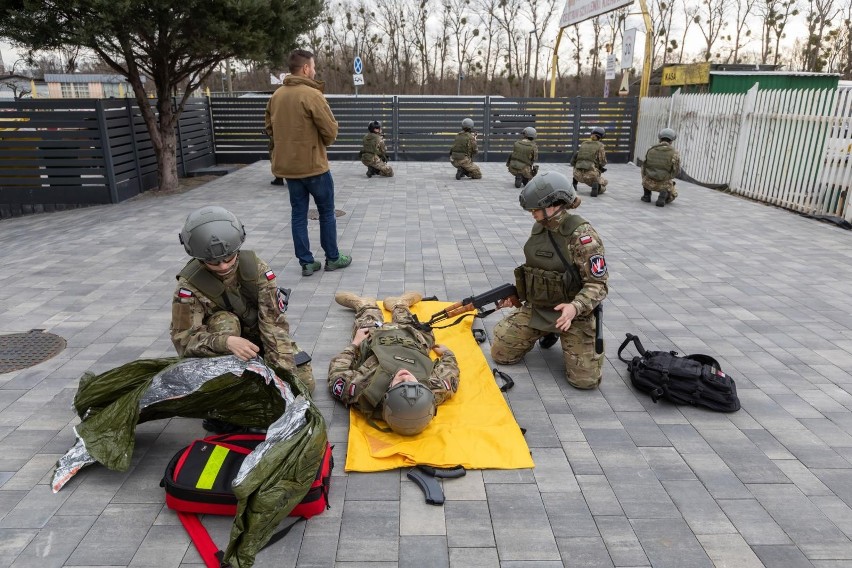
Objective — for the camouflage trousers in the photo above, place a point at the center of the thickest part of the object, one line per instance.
(467, 165)
(657, 185)
(226, 322)
(590, 177)
(514, 338)
(371, 315)
(376, 163)
(528, 172)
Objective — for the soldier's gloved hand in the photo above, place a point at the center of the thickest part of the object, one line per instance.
(241, 347)
(569, 312)
(360, 335)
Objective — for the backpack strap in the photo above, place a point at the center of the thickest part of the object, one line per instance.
(636, 342)
(705, 360)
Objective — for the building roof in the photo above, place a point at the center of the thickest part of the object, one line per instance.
(85, 78)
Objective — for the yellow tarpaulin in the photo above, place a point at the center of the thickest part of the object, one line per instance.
(475, 428)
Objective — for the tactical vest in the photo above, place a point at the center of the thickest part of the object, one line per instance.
(395, 348)
(522, 154)
(587, 154)
(658, 162)
(243, 301)
(462, 144)
(370, 146)
(544, 279)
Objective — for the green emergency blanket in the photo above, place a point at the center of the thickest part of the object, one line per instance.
(250, 394)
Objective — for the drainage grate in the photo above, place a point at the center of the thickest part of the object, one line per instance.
(22, 350)
(313, 214)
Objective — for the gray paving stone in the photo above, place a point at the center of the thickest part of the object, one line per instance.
(468, 524)
(699, 509)
(666, 463)
(569, 515)
(34, 510)
(729, 550)
(780, 556)
(116, 535)
(582, 458)
(670, 543)
(599, 495)
(753, 522)
(716, 476)
(55, 543)
(520, 523)
(416, 517)
(418, 551)
(473, 558)
(584, 551)
(379, 486)
(369, 532)
(621, 542)
(471, 487)
(162, 546)
(552, 471)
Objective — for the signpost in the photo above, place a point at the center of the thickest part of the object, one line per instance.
(358, 78)
(610, 72)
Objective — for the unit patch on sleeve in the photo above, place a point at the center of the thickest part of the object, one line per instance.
(184, 293)
(337, 388)
(270, 275)
(597, 265)
(586, 239)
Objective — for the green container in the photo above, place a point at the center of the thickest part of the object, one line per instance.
(742, 81)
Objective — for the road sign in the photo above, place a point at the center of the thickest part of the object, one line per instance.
(359, 65)
(624, 90)
(358, 79)
(610, 67)
(627, 48)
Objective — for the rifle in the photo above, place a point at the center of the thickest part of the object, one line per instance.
(502, 292)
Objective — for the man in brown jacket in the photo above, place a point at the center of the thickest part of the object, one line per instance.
(300, 124)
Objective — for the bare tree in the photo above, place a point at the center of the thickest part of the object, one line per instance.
(711, 20)
(774, 16)
(743, 10)
(661, 13)
(819, 20)
(689, 12)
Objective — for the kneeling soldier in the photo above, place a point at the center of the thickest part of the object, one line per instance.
(661, 166)
(373, 153)
(589, 161)
(524, 155)
(464, 150)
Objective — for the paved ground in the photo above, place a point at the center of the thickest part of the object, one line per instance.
(619, 481)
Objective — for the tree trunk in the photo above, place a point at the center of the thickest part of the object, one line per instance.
(167, 176)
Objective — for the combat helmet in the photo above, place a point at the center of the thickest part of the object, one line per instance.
(408, 408)
(374, 126)
(599, 131)
(212, 234)
(529, 132)
(667, 134)
(545, 190)
(467, 124)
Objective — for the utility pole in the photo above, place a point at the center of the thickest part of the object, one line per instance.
(527, 74)
(228, 73)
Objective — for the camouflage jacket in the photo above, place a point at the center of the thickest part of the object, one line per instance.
(191, 310)
(373, 144)
(347, 380)
(465, 143)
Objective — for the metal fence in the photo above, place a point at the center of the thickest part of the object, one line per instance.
(423, 128)
(788, 148)
(59, 153)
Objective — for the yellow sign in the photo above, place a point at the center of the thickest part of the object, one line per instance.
(693, 74)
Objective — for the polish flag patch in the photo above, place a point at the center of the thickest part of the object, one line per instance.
(270, 275)
(352, 390)
(184, 293)
(586, 239)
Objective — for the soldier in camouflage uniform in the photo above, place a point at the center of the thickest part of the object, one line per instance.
(463, 151)
(386, 372)
(589, 161)
(562, 281)
(661, 166)
(523, 157)
(227, 300)
(373, 153)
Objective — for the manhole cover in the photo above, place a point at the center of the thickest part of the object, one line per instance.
(313, 214)
(22, 350)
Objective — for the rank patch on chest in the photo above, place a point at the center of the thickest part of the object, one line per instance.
(270, 275)
(544, 253)
(586, 239)
(597, 265)
(184, 293)
(337, 388)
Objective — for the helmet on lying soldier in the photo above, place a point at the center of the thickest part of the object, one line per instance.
(408, 408)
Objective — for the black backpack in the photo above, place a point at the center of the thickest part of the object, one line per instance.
(697, 380)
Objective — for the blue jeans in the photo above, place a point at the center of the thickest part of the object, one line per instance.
(321, 188)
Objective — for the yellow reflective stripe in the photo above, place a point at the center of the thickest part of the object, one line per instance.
(211, 470)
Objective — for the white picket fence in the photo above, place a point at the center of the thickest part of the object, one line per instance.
(788, 148)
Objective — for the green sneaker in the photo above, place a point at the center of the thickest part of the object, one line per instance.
(341, 261)
(309, 269)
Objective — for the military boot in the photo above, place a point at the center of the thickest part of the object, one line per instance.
(460, 173)
(519, 180)
(548, 340)
(646, 195)
(661, 199)
(354, 301)
(595, 189)
(407, 299)
(370, 171)
(574, 183)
